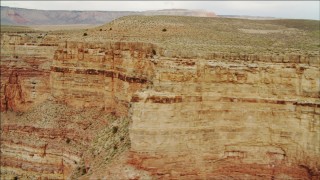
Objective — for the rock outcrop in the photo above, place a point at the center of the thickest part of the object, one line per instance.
(217, 118)
(56, 142)
(101, 75)
(25, 70)
(70, 106)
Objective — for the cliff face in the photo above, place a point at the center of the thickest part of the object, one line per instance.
(70, 107)
(228, 115)
(66, 103)
(101, 75)
(25, 70)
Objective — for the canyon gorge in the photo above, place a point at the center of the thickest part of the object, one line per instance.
(162, 97)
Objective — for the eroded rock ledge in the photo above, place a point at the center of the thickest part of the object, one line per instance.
(228, 118)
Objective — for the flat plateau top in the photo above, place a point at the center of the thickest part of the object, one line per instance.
(202, 34)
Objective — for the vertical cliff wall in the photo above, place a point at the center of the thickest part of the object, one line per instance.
(101, 74)
(57, 100)
(231, 115)
(228, 115)
(25, 70)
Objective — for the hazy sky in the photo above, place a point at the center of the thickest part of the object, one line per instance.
(281, 9)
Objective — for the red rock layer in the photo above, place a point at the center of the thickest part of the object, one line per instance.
(101, 75)
(25, 71)
(56, 142)
(191, 166)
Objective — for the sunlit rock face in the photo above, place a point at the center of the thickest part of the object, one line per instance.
(101, 75)
(228, 117)
(25, 70)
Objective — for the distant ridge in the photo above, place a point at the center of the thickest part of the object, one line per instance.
(181, 12)
(21, 16)
(248, 17)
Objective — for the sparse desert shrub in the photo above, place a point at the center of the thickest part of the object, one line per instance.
(100, 29)
(164, 30)
(84, 171)
(85, 34)
(68, 140)
(154, 52)
(114, 129)
(110, 29)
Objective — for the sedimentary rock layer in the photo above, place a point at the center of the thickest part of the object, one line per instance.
(101, 75)
(56, 142)
(25, 70)
(214, 109)
(228, 114)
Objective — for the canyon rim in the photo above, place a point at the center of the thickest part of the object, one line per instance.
(161, 97)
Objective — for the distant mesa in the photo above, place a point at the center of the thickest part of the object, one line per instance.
(20, 16)
(15, 17)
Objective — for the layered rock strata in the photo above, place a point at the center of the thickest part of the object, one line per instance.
(62, 143)
(211, 111)
(224, 118)
(41, 137)
(25, 70)
(66, 105)
(101, 75)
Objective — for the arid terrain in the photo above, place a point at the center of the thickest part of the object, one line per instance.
(161, 97)
(32, 17)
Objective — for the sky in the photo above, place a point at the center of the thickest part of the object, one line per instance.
(279, 9)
